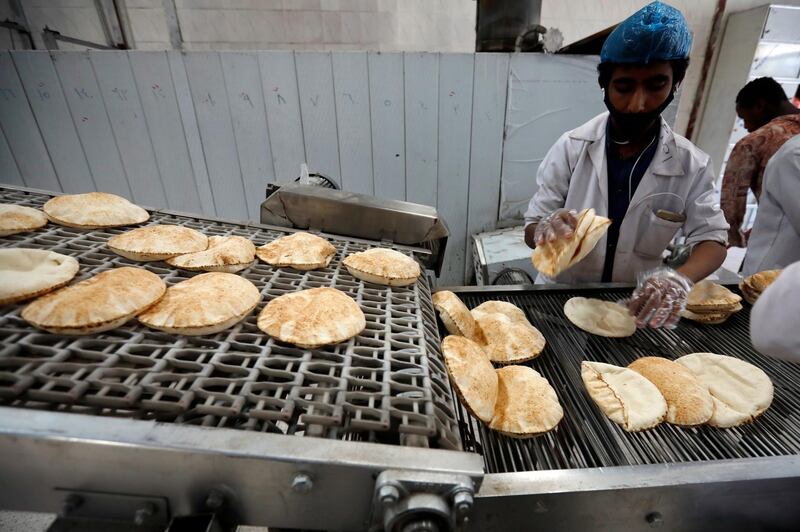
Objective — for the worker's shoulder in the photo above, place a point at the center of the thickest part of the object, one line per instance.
(688, 150)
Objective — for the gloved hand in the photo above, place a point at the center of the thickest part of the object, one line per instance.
(659, 297)
(560, 223)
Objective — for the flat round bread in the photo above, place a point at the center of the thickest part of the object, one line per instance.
(759, 282)
(713, 317)
(456, 316)
(205, 304)
(603, 318)
(17, 219)
(527, 405)
(28, 273)
(740, 391)
(312, 318)
(625, 396)
(383, 266)
(228, 254)
(507, 341)
(472, 375)
(301, 251)
(157, 242)
(552, 258)
(93, 211)
(100, 303)
(707, 295)
(508, 310)
(688, 400)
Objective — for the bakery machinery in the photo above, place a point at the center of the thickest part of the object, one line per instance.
(157, 429)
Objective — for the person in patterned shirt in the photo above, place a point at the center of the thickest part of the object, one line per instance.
(771, 120)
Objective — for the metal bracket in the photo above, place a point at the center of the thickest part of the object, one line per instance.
(415, 501)
(137, 509)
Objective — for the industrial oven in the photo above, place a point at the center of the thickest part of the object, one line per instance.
(148, 427)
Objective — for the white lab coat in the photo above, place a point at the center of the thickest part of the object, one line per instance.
(574, 175)
(775, 240)
(775, 317)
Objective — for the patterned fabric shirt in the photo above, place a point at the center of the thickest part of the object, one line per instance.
(745, 169)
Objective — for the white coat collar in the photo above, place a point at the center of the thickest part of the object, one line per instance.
(665, 162)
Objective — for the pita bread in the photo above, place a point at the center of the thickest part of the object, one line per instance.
(456, 316)
(711, 317)
(509, 342)
(157, 242)
(740, 391)
(100, 303)
(508, 310)
(552, 258)
(603, 318)
(688, 400)
(228, 254)
(749, 295)
(93, 211)
(28, 273)
(707, 295)
(472, 375)
(205, 304)
(753, 285)
(527, 405)
(301, 251)
(17, 219)
(312, 318)
(383, 266)
(624, 396)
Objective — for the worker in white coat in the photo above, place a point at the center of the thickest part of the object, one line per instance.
(775, 317)
(775, 239)
(628, 165)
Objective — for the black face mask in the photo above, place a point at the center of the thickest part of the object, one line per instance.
(633, 125)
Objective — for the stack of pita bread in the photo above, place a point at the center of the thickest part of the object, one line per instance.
(602, 318)
(301, 251)
(696, 389)
(501, 329)
(312, 318)
(16, 219)
(383, 266)
(552, 258)
(28, 273)
(94, 210)
(754, 285)
(514, 400)
(711, 303)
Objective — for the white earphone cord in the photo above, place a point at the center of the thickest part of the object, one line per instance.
(630, 177)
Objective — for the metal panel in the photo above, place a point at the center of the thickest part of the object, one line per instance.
(22, 132)
(547, 96)
(54, 121)
(191, 130)
(782, 25)
(210, 98)
(243, 81)
(422, 126)
(9, 173)
(91, 121)
(351, 86)
(486, 148)
(318, 112)
(388, 124)
(160, 107)
(279, 81)
(455, 117)
(121, 97)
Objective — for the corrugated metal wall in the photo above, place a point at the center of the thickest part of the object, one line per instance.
(204, 132)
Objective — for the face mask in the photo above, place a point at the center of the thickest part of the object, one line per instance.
(633, 125)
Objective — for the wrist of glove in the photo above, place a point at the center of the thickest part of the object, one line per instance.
(558, 224)
(659, 297)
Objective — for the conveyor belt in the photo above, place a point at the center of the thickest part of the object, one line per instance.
(585, 438)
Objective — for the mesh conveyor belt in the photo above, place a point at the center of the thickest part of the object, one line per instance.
(387, 385)
(586, 438)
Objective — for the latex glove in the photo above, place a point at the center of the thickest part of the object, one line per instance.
(659, 297)
(560, 223)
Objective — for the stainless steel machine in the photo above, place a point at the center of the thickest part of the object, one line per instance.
(147, 427)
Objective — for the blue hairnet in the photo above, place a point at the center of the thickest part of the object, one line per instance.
(657, 32)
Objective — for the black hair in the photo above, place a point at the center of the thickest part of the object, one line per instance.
(766, 89)
(679, 67)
